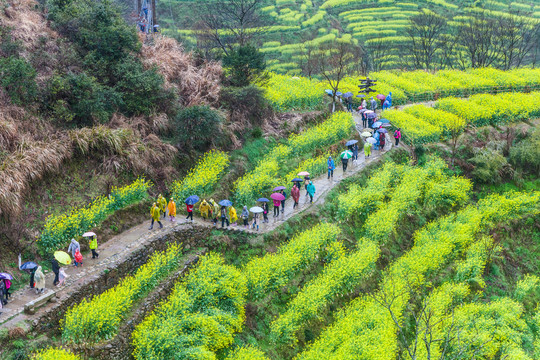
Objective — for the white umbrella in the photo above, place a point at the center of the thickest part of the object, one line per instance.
(371, 140)
(256, 210)
(88, 234)
(369, 112)
(366, 134)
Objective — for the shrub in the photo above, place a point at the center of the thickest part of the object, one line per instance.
(526, 154)
(18, 78)
(244, 65)
(197, 127)
(489, 166)
(54, 354)
(248, 102)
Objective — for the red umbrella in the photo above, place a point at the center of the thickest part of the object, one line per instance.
(277, 196)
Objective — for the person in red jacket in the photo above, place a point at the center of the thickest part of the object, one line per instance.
(295, 193)
(189, 209)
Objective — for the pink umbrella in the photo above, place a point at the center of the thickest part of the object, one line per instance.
(279, 188)
(303, 173)
(277, 196)
(381, 97)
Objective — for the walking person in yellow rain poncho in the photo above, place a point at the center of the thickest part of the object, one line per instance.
(205, 209)
(232, 215)
(162, 203)
(172, 210)
(155, 212)
(215, 211)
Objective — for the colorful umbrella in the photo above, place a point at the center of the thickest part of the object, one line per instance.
(303, 173)
(6, 276)
(29, 265)
(277, 196)
(88, 234)
(277, 188)
(381, 97)
(376, 124)
(191, 200)
(384, 131)
(385, 121)
(225, 203)
(62, 257)
(263, 200)
(371, 140)
(256, 210)
(297, 180)
(366, 134)
(346, 154)
(351, 142)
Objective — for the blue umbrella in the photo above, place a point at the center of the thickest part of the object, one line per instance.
(360, 95)
(263, 200)
(193, 199)
(297, 180)
(385, 121)
(376, 124)
(6, 276)
(351, 142)
(348, 95)
(29, 265)
(371, 115)
(339, 93)
(225, 203)
(329, 92)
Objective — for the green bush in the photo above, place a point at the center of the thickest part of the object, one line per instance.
(489, 166)
(18, 78)
(197, 127)
(249, 101)
(80, 99)
(526, 154)
(244, 65)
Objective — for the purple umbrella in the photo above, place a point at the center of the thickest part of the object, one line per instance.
(386, 125)
(371, 115)
(6, 276)
(277, 188)
(384, 131)
(381, 97)
(277, 196)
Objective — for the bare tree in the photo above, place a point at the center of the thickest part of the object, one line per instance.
(227, 23)
(480, 38)
(518, 37)
(378, 52)
(424, 33)
(333, 62)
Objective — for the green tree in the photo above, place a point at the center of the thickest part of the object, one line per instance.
(18, 78)
(244, 65)
(197, 127)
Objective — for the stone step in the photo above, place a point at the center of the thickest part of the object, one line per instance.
(30, 308)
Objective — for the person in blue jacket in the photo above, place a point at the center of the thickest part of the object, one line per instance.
(389, 99)
(331, 167)
(386, 104)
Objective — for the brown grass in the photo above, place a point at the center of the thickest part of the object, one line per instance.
(195, 85)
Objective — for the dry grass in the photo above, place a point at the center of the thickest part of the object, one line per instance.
(195, 85)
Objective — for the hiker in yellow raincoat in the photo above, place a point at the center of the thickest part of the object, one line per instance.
(172, 210)
(162, 203)
(205, 209)
(154, 212)
(215, 211)
(232, 215)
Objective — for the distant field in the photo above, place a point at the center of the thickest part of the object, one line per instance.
(374, 23)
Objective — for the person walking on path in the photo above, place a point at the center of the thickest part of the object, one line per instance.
(93, 246)
(344, 162)
(331, 167)
(282, 192)
(265, 212)
(7, 284)
(78, 258)
(255, 217)
(162, 203)
(306, 182)
(367, 149)
(224, 217)
(386, 105)
(154, 213)
(233, 217)
(382, 141)
(215, 211)
(56, 270)
(40, 280)
(245, 216)
(189, 209)
(73, 247)
(397, 136)
(355, 151)
(172, 210)
(373, 104)
(311, 191)
(389, 99)
(276, 207)
(295, 194)
(205, 209)
(2, 295)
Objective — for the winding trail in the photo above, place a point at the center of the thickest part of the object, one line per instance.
(119, 248)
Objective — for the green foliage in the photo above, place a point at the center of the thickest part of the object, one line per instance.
(54, 354)
(200, 317)
(80, 99)
(249, 101)
(244, 65)
(526, 154)
(18, 78)
(489, 166)
(197, 128)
